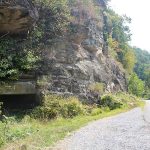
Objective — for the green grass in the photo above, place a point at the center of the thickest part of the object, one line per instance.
(36, 135)
(45, 134)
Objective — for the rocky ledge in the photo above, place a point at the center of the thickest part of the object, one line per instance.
(17, 16)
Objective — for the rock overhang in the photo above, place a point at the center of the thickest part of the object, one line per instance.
(17, 17)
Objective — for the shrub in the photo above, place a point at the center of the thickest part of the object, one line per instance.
(126, 100)
(109, 101)
(49, 110)
(42, 112)
(72, 107)
(55, 106)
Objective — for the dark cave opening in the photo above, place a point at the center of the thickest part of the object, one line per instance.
(19, 102)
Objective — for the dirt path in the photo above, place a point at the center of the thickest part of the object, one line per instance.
(127, 131)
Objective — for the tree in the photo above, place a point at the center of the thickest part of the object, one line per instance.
(117, 34)
(142, 66)
(147, 78)
(117, 26)
(129, 60)
(136, 85)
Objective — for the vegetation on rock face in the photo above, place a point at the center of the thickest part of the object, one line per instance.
(15, 58)
(53, 19)
(20, 55)
(97, 87)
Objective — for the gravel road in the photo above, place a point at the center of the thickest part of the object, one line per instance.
(127, 131)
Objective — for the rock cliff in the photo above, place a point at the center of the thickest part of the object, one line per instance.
(80, 58)
(75, 60)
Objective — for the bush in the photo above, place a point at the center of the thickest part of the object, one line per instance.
(43, 112)
(50, 108)
(72, 107)
(56, 106)
(126, 100)
(109, 101)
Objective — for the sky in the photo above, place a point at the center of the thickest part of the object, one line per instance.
(139, 12)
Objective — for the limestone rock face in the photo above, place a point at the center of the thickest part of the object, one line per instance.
(74, 61)
(79, 59)
(17, 16)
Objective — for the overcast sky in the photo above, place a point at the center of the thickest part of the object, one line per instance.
(139, 12)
